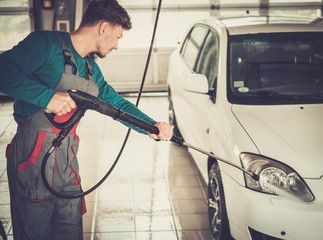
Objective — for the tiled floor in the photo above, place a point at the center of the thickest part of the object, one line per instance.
(154, 192)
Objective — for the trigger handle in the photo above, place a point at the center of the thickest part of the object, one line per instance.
(69, 124)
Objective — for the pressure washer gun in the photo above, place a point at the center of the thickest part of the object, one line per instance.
(86, 101)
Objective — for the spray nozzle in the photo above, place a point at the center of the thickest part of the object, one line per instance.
(254, 176)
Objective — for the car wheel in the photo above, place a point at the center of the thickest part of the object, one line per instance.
(172, 118)
(217, 211)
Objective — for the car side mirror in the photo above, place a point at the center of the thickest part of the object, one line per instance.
(197, 83)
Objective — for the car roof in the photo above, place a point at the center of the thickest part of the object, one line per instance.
(263, 24)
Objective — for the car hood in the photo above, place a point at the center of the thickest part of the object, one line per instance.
(292, 134)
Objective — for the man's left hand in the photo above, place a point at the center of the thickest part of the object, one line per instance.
(165, 132)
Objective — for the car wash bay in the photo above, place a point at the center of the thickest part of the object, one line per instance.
(154, 192)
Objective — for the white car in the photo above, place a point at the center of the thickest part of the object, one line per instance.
(250, 90)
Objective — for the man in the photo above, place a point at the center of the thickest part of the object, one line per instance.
(37, 73)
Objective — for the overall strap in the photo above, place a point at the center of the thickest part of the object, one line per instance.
(68, 55)
(69, 59)
(89, 69)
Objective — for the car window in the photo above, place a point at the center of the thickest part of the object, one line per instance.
(192, 45)
(276, 67)
(208, 61)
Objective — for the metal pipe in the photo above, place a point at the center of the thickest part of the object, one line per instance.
(253, 175)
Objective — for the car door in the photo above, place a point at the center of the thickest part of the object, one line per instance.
(206, 64)
(182, 64)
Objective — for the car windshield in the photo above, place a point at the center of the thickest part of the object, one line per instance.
(276, 68)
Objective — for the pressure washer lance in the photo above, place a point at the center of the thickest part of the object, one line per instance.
(86, 101)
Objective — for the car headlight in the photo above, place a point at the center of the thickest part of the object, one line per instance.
(274, 177)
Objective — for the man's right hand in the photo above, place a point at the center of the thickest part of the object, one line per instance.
(60, 104)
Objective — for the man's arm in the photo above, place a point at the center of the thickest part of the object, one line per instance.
(17, 66)
(108, 94)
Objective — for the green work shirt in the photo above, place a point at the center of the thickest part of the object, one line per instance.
(30, 71)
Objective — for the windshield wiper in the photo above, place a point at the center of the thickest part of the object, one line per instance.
(319, 96)
(266, 93)
(272, 94)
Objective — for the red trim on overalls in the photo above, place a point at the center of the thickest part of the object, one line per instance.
(35, 154)
(84, 210)
(77, 180)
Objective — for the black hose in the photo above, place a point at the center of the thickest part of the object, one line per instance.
(53, 147)
(2, 232)
(149, 53)
(80, 194)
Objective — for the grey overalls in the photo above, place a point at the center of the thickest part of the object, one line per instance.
(36, 213)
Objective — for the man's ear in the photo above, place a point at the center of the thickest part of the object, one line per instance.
(103, 27)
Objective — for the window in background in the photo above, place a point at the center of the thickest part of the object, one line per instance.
(11, 3)
(14, 24)
(13, 28)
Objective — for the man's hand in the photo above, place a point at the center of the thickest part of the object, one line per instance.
(60, 104)
(165, 132)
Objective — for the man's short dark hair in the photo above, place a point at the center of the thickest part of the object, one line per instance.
(106, 10)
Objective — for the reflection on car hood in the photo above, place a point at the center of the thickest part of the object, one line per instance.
(292, 134)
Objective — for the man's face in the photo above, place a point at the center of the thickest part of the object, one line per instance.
(109, 40)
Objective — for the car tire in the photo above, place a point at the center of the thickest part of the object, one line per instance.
(171, 116)
(218, 219)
